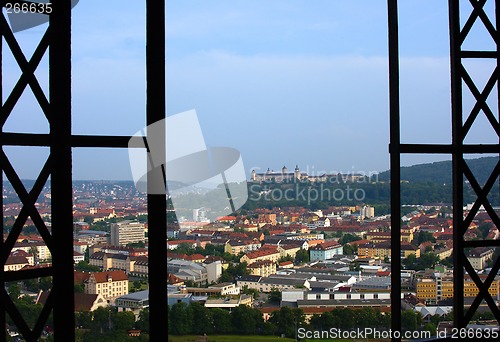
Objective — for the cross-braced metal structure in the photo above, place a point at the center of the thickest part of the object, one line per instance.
(57, 109)
(60, 140)
(460, 80)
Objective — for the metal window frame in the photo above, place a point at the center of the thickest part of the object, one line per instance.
(457, 149)
(61, 142)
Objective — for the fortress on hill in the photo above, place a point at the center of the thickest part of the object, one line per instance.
(287, 177)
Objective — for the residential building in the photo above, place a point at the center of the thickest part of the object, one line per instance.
(110, 285)
(236, 247)
(271, 254)
(15, 263)
(378, 250)
(479, 257)
(326, 250)
(42, 251)
(409, 249)
(262, 268)
(171, 245)
(439, 286)
(126, 232)
(289, 250)
(78, 257)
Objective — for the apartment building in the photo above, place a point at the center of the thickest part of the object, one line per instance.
(479, 257)
(326, 250)
(439, 286)
(110, 285)
(126, 232)
(262, 268)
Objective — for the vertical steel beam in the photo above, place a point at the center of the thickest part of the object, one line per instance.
(157, 203)
(3, 334)
(61, 180)
(395, 163)
(457, 160)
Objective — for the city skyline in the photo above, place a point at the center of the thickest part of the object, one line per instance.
(297, 82)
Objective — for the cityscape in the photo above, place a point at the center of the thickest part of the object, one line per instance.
(213, 171)
(275, 265)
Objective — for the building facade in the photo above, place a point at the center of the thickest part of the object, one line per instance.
(126, 232)
(326, 250)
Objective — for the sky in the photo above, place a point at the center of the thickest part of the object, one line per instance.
(285, 82)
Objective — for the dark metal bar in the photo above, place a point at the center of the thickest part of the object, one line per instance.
(13, 312)
(27, 68)
(44, 315)
(3, 335)
(103, 141)
(61, 180)
(29, 274)
(478, 54)
(395, 165)
(457, 159)
(447, 149)
(481, 243)
(36, 139)
(157, 203)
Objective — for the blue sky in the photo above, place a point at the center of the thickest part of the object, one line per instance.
(283, 81)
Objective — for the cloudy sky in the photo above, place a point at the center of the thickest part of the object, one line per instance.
(285, 82)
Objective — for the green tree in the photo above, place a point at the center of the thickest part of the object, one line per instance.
(246, 320)
(325, 321)
(301, 256)
(84, 266)
(430, 327)
(274, 296)
(366, 318)
(221, 321)
(14, 291)
(101, 320)
(180, 319)
(484, 228)
(143, 320)
(83, 319)
(202, 319)
(122, 321)
(252, 292)
(234, 271)
(346, 238)
(422, 237)
(410, 261)
(409, 320)
(348, 249)
(346, 317)
(286, 319)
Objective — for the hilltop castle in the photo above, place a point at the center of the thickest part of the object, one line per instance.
(297, 175)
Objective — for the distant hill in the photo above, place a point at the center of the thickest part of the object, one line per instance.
(440, 172)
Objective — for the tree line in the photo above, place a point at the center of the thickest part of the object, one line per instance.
(196, 319)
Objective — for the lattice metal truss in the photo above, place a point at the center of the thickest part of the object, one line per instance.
(460, 78)
(57, 109)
